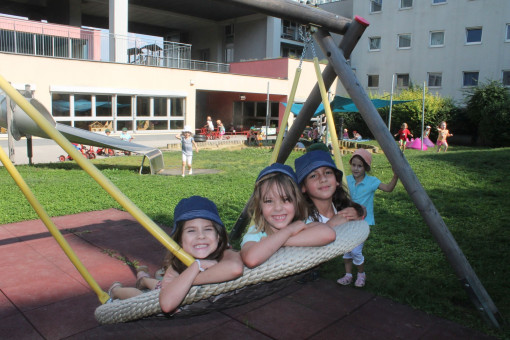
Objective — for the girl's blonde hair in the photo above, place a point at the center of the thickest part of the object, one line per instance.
(287, 188)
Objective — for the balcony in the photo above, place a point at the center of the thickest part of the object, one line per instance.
(59, 41)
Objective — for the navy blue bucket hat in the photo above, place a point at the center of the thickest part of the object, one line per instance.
(313, 160)
(196, 207)
(277, 167)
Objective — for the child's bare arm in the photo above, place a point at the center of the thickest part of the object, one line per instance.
(316, 234)
(388, 187)
(256, 253)
(196, 145)
(178, 136)
(230, 267)
(174, 288)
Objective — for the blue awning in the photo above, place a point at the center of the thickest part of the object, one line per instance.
(344, 104)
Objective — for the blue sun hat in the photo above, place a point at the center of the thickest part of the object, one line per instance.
(196, 207)
(311, 161)
(278, 167)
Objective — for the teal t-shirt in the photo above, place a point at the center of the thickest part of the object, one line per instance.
(252, 235)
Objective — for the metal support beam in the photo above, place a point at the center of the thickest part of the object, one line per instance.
(437, 226)
(10, 137)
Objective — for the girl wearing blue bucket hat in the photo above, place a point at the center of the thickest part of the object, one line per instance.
(279, 212)
(321, 183)
(199, 230)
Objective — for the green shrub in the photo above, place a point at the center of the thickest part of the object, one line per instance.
(488, 109)
(437, 109)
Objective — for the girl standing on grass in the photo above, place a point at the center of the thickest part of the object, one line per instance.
(199, 230)
(320, 182)
(362, 188)
(403, 134)
(279, 212)
(187, 144)
(441, 138)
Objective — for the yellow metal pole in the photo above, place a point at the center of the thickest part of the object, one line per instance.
(330, 121)
(103, 297)
(281, 132)
(104, 182)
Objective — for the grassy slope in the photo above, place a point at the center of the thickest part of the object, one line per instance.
(468, 187)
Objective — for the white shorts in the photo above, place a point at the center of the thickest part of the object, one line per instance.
(356, 255)
(187, 159)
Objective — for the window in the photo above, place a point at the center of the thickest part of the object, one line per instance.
(473, 35)
(143, 106)
(375, 6)
(435, 2)
(506, 78)
(406, 3)
(507, 38)
(435, 79)
(437, 39)
(374, 43)
(404, 41)
(373, 80)
(470, 79)
(402, 80)
(103, 106)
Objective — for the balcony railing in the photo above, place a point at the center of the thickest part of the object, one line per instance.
(59, 41)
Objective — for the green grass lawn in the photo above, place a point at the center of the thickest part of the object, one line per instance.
(403, 262)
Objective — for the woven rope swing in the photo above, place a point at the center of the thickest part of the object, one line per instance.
(285, 262)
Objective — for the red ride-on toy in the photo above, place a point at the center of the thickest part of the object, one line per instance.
(89, 153)
(105, 152)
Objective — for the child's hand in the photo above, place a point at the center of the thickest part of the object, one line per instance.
(337, 220)
(349, 213)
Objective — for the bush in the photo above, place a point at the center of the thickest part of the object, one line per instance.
(488, 110)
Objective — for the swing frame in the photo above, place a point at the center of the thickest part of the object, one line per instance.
(338, 66)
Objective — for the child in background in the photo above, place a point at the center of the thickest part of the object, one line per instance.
(279, 212)
(346, 134)
(403, 134)
(187, 144)
(362, 188)
(426, 137)
(125, 136)
(321, 184)
(221, 128)
(441, 138)
(199, 230)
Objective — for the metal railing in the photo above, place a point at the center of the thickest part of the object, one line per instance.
(59, 41)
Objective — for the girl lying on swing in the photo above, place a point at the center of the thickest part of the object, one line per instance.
(199, 230)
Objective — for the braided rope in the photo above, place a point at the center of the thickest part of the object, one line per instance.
(285, 262)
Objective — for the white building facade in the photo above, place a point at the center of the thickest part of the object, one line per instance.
(450, 45)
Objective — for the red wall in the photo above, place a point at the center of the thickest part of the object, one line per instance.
(271, 68)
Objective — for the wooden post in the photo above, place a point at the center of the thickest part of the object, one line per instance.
(437, 226)
(296, 12)
(347, 44)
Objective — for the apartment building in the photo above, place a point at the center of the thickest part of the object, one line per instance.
(448, 45)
